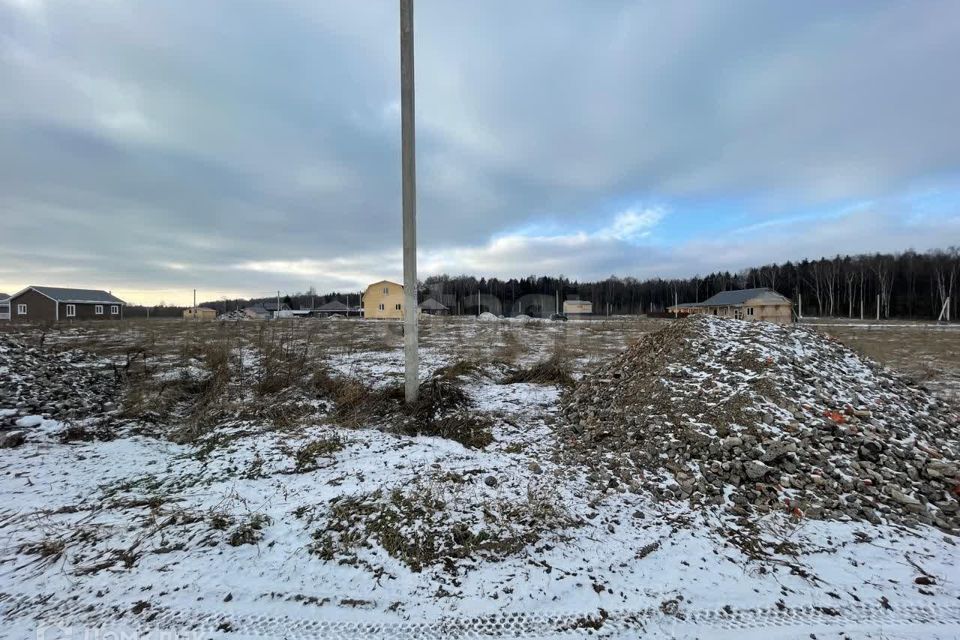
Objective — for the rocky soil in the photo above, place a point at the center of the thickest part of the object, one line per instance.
(72, 387)
(763, 418)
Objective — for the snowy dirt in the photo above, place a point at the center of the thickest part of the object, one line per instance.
(242, 534)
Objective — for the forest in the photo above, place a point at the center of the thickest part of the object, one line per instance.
(904, 285)
(908, 285)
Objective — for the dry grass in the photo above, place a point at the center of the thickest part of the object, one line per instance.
(418, 525)
(306, 456)
(443, 410)
(250, 531)
(555, 369)
(458, 369)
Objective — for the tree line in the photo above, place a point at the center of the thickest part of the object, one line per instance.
(901, 285)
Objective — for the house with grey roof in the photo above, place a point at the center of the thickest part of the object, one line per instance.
(334, 307)
(742, 304)
(433, 308)
(4, 306)
(62, 304)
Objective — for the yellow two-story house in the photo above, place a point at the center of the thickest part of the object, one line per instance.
(383, 300)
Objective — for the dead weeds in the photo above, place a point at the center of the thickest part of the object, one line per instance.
(432, 523)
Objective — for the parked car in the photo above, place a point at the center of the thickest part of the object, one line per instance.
(558, 317)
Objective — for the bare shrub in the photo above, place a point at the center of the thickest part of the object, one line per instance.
(553, 370)
(283, 362)
(443, 410)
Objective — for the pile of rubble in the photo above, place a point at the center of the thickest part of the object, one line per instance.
(759, 417)
(37, 384)
(233, 316)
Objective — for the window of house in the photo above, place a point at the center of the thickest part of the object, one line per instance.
(398, 307)
(115, 309)
(386, 291)
(382, 307)
(749, 311)
(71, 310)
(21, 309)
(98, 309)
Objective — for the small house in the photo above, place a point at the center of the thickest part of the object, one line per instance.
(266, 311)
(199, 313)
(4, 306)
(332, 308)
(742, 304)
(383, 300)
(431, 307)
(55, 304)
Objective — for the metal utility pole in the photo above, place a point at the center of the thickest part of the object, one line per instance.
(409, 161)
(194, 304)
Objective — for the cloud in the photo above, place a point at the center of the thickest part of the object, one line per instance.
(632, 225)
(133, 136)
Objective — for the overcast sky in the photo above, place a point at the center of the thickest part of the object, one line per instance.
(243, 147)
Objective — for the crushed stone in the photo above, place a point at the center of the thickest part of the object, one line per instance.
(758, 418)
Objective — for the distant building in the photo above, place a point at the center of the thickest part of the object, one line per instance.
(743, 304)
(383, 300)
(334, 307)
(433, 308)
(55, 304)
(4, 306)
(266, 310)
(577, 307)
(199, 313)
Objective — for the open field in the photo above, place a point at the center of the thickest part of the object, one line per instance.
(264, 480)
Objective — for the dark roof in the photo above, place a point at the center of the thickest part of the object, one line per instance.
(432, 305)
(3, 296)
(257, 309)
(726, 298)
(64, 294)
(333, 305)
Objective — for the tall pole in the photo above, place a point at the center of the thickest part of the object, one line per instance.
(277, 317)
(194, 304)
(409, 160)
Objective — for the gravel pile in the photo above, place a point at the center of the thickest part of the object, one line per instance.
(69, 387)
(232, 316)
(759, 417)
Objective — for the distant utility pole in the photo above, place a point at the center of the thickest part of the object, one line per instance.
(194, 304)
(409, 176)
(278, 306)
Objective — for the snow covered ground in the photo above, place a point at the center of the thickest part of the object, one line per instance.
(240, 535)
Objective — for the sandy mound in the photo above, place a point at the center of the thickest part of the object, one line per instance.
(761, 417)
